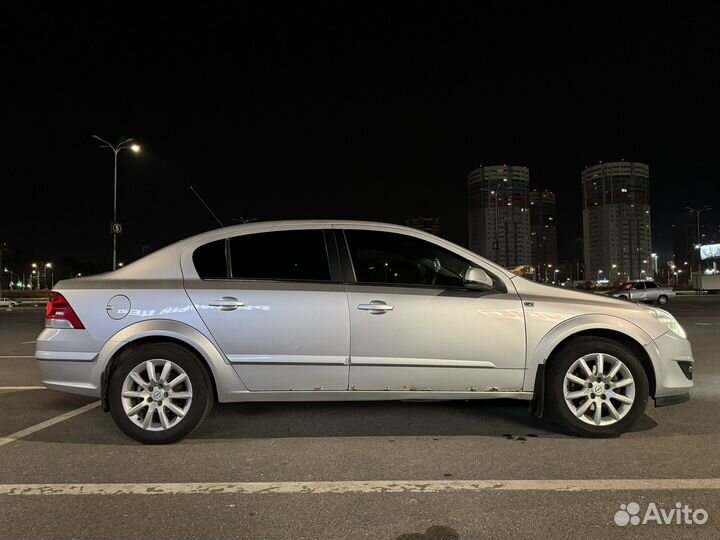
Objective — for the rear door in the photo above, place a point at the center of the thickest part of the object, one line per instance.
(414, 326)
(638, 291)
(272, 303)
(651, 291)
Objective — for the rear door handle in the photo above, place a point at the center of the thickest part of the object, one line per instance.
(376, 307)
(226, 303)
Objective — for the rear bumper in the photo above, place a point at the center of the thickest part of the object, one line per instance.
(67, 360)
(69, 376)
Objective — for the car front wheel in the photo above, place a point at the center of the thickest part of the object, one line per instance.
(159, 393)
(596, 387)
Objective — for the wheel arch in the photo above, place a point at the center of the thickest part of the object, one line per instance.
(621, 338)
(165, 331)
(614, 328)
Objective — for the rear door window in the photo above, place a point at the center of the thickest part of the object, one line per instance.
(284, 255)
(298, 255)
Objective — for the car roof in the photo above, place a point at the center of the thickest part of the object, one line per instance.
(163, 264)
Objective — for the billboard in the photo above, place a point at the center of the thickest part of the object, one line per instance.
(709, 251)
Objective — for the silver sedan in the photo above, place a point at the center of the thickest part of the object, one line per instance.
(642, 290)
(341, 311)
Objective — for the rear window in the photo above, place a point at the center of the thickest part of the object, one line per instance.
(283, 255)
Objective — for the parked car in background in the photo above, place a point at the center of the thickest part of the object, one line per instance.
(641, 290)
(349, 311)
(9, 302)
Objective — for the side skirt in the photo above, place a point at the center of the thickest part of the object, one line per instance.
(360, 395)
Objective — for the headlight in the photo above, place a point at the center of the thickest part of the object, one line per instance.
(668, 320)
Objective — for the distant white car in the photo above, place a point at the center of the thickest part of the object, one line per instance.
(8, 302)
(349, 311)
(641, 290)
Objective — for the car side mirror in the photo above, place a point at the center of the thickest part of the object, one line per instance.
(477, 278)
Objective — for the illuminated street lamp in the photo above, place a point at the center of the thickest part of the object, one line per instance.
(35, 272)
(17, 278)
(125, 144)
(599, 274)
(52, 275)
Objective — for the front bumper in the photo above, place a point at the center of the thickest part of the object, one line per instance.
(672, 384)
(672, 400)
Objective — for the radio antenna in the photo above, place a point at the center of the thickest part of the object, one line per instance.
(206, 206)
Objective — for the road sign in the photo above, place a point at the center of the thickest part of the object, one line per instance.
(116, 228)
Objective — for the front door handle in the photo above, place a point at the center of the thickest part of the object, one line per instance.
(376, 307)
(226, 303)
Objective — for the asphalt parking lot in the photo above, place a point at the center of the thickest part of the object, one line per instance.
(361, 470)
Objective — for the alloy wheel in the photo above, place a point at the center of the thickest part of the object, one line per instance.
(156, 395)
(599, 389)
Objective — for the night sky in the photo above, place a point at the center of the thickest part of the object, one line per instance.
(341, 113)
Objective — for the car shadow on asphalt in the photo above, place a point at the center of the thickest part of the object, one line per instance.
(500, 418)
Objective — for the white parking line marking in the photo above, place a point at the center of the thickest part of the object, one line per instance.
(47, 423)
(26, 342)
(374, 486)
(23, 388)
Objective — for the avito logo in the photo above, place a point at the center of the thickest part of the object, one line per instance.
(680, 514)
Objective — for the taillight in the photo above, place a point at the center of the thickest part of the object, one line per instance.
(59, 314)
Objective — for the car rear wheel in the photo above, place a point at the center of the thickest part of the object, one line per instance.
(596, 387)
(662, 299)
(159, 393)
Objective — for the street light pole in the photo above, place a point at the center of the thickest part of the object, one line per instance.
(35, 272)
(125, 144)
(698, 211)
(6, 271)
(655, 264)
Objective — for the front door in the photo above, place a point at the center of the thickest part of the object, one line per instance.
(414, 326)
(274, 310)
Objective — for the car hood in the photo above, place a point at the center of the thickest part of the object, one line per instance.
(527, 288)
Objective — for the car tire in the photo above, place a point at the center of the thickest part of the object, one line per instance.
(623, 297)
(662, 300)
(578, 415)
(133, 396)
